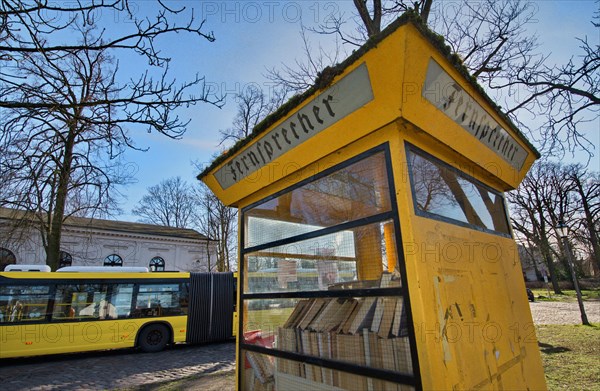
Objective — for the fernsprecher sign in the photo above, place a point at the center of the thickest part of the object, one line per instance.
(447, 95)
(346, 96)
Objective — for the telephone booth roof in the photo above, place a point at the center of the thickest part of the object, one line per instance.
(405, 74)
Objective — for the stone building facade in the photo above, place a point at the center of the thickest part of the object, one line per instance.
(97, 242)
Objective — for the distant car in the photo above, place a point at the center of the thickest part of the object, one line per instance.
(530, 296)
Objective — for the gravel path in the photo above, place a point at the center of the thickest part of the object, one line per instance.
(554, 312)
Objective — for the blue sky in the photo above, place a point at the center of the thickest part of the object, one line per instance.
(252, 36)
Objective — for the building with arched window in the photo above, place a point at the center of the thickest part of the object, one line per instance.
(113, 260)
(97, 242)
(157, 264)
(7, 257)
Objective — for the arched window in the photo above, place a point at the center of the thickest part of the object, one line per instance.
(157, 264)
(6, 258)
(65, 259)
(113, 260)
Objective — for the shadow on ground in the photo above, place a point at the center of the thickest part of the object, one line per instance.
(551, 349)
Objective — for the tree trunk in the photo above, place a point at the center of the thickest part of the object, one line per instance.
(589, 221)
(545, 249)
(56, 223)
(425, 10)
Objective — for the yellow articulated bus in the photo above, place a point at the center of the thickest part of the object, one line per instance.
(81, 309)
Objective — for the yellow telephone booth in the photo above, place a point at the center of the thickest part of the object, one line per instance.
(375, 250)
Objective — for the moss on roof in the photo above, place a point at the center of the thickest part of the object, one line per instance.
(325, 78)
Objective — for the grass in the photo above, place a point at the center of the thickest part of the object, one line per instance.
(267, 319)
(568, 295)
(570, 356)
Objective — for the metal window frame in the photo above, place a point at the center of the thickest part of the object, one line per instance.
(378, 373)
(411, 149)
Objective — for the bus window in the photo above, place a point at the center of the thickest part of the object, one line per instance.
(23, 303)
(81, 302)
(121, 299)
(160, 300)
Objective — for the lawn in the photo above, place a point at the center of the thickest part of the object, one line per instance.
(568, 295)
(571, 356)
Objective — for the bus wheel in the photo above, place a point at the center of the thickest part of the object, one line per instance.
(153, 338)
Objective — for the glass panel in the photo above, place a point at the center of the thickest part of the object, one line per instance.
(122, 296)
(81, 302)
(161, 300)
(294, 375)
(23, 303)
(262, 372)
(357, 191)
(441, 190)
(355, 258)
(367, 331)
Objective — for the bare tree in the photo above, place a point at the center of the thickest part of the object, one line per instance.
(552, 193)
(586, 185)
(491, 40)
(253, 105)
(218, 222)
(529, 219)
(66, 113)
(171, 203)
(297, 78)
(567, 95)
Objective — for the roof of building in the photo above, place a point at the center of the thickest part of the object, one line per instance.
(113, 225)
(326, 77)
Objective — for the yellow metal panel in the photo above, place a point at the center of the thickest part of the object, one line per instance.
(473, 324)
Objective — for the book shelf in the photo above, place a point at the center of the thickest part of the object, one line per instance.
(367, 331)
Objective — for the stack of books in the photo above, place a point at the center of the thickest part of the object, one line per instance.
(367, 331)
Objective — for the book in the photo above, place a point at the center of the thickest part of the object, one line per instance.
(296, 313)
(328, 311)
(368, 361)
(389, 305)
(388, 362)
(348, 321)
(312, 312)
(397, 317)
(333, 354)
(280, 340)
(350, 348)
(375, 359)
(286, 340)
(261, 366)
(306, 349)
(258, 386)
(314, 351)
(377, 316)
(343, 312)
(324, 345)
(364, 315)
(301, 367)
(402, 356)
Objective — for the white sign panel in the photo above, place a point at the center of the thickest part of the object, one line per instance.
(446, 94)
(349, 94)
